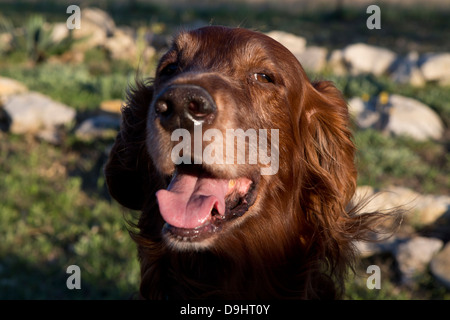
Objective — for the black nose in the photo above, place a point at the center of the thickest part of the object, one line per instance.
(183, 106)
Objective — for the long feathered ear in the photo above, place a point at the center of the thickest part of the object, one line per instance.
(333, 156)
(329, 180)
(129, 168)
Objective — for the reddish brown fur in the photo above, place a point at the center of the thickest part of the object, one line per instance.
(297, 239)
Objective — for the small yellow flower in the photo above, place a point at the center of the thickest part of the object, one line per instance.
(158, 27)
(365, 97)
(384, 97)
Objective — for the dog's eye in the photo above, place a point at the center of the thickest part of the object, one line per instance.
(262, 77)
(169, 69)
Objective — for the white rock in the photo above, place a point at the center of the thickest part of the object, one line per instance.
(122, 46)
(363, 112)
(100, 18)
(59, 32)
(34, 112)
(313, 58)
(414, 255)
(6, 40)
(386, 199)
(430, 208)
(410, 117)
(398, 116)
(436, 67)
(336, 62)
(356, 105)
(419, 209)
(440, 266)
(96, 27)
(363, 58)
(294, 43)
(102, 126)
(10, 86)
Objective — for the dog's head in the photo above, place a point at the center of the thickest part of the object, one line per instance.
(231, 135)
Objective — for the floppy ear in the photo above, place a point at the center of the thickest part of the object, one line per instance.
(332, 158)
(329, 182)
(129, 168)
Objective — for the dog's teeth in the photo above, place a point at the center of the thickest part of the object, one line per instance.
(231, 183)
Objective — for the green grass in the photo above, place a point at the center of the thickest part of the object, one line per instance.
(49, 221)
(384, 161)
(85, 89)
(425, 287)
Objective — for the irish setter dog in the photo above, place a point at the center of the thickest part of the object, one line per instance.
(263, 214)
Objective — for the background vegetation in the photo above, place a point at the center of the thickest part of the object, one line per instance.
(54, 208)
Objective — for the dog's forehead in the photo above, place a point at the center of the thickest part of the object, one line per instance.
(223, 35)
(237, 42)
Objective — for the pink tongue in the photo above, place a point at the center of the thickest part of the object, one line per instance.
(188, 201)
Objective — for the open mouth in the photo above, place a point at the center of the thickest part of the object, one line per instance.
(197, 205)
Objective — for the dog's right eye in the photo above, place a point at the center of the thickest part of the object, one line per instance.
(262, 77)
(168, 70)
